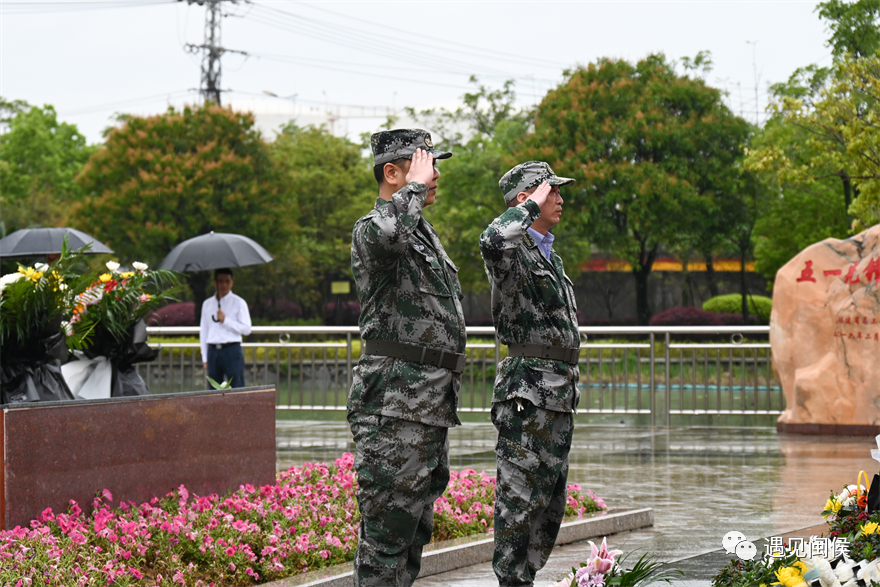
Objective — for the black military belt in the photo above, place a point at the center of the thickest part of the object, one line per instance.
(222, 345)
(416, 354)
(545, 351)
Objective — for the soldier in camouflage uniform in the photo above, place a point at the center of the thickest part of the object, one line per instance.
(405, 387)
(536, 392)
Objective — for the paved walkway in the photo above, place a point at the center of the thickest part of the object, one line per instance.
(701, 482)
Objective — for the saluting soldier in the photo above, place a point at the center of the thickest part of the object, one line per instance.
(536, 392)
(405, 388)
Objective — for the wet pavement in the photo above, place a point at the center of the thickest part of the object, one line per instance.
(701, 482)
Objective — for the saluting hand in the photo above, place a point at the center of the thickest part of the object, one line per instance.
(539, 196)
(421, 169)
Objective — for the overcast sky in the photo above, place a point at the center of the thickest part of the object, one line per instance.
(91, 59)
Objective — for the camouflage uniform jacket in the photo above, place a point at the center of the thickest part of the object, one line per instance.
(532, 303)
(409, 293)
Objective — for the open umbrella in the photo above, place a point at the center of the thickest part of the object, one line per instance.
(47, 241)
(214, 251)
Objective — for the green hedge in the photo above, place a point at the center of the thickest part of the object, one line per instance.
(760, 306)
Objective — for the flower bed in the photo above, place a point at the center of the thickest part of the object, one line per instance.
(307, 520)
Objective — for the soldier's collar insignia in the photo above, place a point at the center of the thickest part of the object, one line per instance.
(419, 247)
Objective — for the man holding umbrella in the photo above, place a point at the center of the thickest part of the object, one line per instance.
(225, 319)
(405, 388)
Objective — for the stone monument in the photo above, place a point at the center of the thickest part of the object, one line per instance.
(825, 335)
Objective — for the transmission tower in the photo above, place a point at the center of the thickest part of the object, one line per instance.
(211, 49)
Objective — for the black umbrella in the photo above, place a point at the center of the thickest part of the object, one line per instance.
(47, 241)
(215, 251)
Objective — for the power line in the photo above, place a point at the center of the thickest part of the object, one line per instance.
(364, 41)
(446, 44)
(17, 8)
(114, 105)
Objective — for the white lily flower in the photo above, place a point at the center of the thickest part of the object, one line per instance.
(41, 266)
(9, 278)
(62, 286)
(140, 266)
(112, 266)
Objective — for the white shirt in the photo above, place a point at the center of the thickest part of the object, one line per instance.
(236, 323)
(544, 241)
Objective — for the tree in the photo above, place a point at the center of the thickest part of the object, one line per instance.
(160, 180)
(328, 181)
(796, 214)
(484, 134)
(854, 26)
(652, 151)
(39, 160)
(831, 132)
(816, 150)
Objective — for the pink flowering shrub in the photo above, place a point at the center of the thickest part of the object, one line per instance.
(308, 519)
(468, 505)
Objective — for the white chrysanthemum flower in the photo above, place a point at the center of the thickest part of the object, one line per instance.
(112, 266)
(140, 266)
(869, 573)
(844, 571)
(41, 266)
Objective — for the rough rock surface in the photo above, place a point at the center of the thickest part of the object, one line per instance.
(825, 332)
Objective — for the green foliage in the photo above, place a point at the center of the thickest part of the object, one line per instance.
(330, 185)
(854, 26)
(225, 385)
(732, 304)
(829, 132)
(483, 134)
(160, 180)
(644, 572)
(34, 298)
(39, 161)
(113, 302)
(654, 153)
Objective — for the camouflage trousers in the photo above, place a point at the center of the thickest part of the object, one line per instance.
(402, 467)
(532, 454)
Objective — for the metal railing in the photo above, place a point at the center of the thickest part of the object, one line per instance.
(651, 372)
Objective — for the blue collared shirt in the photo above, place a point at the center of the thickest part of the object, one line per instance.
(544, 241)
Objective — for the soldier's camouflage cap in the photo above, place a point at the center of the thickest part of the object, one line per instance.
(401, 143)
(528, 175)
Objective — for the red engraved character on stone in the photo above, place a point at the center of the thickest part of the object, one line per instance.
(807, 273)
(872, 271)
(848, 320)
(851, 274)
(840, 319)
(828, 272)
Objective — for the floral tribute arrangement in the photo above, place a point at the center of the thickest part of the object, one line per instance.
(307, 520)
(106, 324)
(848, 557)
(33, 301)
(604, 568)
